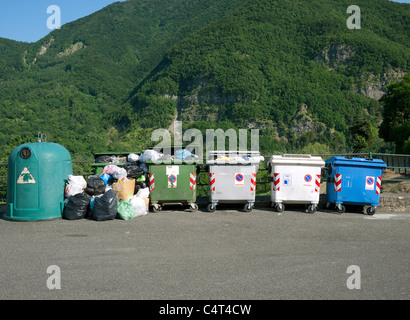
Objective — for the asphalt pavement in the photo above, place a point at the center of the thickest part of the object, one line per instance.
(227, 254)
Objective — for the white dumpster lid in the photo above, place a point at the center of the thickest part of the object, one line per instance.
(297, 159)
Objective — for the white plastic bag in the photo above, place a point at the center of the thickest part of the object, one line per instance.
(256, 159)
(75, 185)
(79, 180)
(72, 189)
(139, 206)
(119, 174)
(143, 193)
(132, 157)
(150, 155)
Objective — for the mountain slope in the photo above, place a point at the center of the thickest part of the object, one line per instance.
(288, 67)
(72, 83)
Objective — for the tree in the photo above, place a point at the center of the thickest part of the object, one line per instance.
(363, 134)
(396, 113)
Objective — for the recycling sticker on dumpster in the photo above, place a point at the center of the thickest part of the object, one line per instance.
(25, 177)
(370, 183)
(239, 180)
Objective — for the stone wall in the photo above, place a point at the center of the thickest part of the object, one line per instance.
(390, 202)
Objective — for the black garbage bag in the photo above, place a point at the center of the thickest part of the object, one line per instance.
(133, 170)
(95, 186)
(77, 206)
(140, 185)
(105, 207)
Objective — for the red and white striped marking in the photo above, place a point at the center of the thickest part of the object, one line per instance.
(253, 181)
(338, 182)
(151, 182)
(212, 181)
(192, 181)
(317, 183)
(276, 182)
(378, 184)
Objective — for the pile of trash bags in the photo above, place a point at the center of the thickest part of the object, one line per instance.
(119, 191)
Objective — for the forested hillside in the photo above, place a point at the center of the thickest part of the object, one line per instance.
(290, 68)
(72, 84)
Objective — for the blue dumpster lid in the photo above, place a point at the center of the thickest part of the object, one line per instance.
(357, 162)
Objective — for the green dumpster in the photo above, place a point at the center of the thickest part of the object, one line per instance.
(99, 167)
(37, 175)
(172, 184)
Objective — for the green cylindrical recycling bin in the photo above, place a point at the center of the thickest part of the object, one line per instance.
(37, 175)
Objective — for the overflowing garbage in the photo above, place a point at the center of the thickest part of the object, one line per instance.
(127, 186)
(221, 157)
(118, 192)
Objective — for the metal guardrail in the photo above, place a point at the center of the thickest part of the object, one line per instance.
(399, 163)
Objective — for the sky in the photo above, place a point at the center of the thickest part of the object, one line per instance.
(26, 20)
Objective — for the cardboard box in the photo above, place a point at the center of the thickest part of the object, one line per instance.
(124, 190)
(146, 202)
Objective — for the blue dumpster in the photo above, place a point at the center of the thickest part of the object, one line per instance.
(354, 181)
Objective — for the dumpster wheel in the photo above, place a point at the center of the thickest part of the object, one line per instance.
(312, 208)
(156, 208)
(193, 207)
(371, 211)
(340, 208)
(248, 207)
(279, 207)
(211, 207)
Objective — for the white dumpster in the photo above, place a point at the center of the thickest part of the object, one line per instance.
(295, 178)
(232, 177)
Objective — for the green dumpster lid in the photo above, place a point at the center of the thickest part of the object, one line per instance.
(115, 153)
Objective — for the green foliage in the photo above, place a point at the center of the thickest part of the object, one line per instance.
(406, 146)
(316, 148)
(81, 99)
(363, 134)
(258, 66)
(224, 64)
(396, 114)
